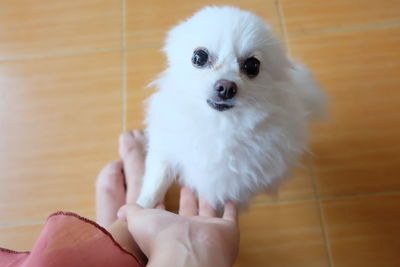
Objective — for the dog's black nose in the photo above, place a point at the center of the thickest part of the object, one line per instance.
(225, 89)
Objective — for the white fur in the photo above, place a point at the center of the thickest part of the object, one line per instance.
(232, 154)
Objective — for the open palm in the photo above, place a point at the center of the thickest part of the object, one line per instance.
(195, 237)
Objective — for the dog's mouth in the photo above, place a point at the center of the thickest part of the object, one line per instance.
(219, 105)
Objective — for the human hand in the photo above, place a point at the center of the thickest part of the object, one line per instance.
(195, 237)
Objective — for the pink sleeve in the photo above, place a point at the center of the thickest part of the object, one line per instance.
(70, 240)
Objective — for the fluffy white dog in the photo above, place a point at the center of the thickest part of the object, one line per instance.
(230, 113)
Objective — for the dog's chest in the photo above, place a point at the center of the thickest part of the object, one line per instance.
(214, 151)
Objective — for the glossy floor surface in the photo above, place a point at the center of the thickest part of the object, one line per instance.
(72, 77)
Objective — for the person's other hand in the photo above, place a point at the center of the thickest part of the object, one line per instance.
(195, 237)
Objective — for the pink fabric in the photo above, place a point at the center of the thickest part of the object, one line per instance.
(70, 240)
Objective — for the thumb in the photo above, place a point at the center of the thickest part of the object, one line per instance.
(140, 222)
(128, 210)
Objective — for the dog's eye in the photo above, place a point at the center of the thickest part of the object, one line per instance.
(251, 67)
(200, 57)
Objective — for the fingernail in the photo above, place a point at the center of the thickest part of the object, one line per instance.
(230, 203)
(121, 213)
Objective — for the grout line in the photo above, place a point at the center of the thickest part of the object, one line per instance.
(321, 215)
(256, 203)
(382, 193)
(282, 23)
(291, 200)
(325, 234)
(150, 45)
(122, 47)
(71, 53)
(85, 52)
(123, 68)
(347, 29)
(280, 201)
(23, 223)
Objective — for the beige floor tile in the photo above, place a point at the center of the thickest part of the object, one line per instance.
(282, 235)
(37, 27)
(148, 21)
(60, 119)
(358, 148)
(310, 15)
(364, 231)
(19, 238)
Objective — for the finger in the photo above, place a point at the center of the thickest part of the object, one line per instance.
(127, 211)
(187, 203)
(134, 171)
(161, 203)
(160, 206)
(137, 133)
(132, 153)
(111, 169)
(134, 174)
(230, 212)
(205, 209)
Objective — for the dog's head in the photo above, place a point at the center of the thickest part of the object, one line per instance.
(224, 58)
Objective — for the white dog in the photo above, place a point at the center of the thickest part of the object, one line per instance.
(229, 116)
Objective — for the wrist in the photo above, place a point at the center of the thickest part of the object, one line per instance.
(177, 255)
(182, 254)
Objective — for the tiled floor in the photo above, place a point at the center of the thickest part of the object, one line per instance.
(73, 76)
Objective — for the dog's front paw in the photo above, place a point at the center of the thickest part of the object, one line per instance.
(146, 202)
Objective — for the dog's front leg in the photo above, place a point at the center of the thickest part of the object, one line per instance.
(156, 181)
